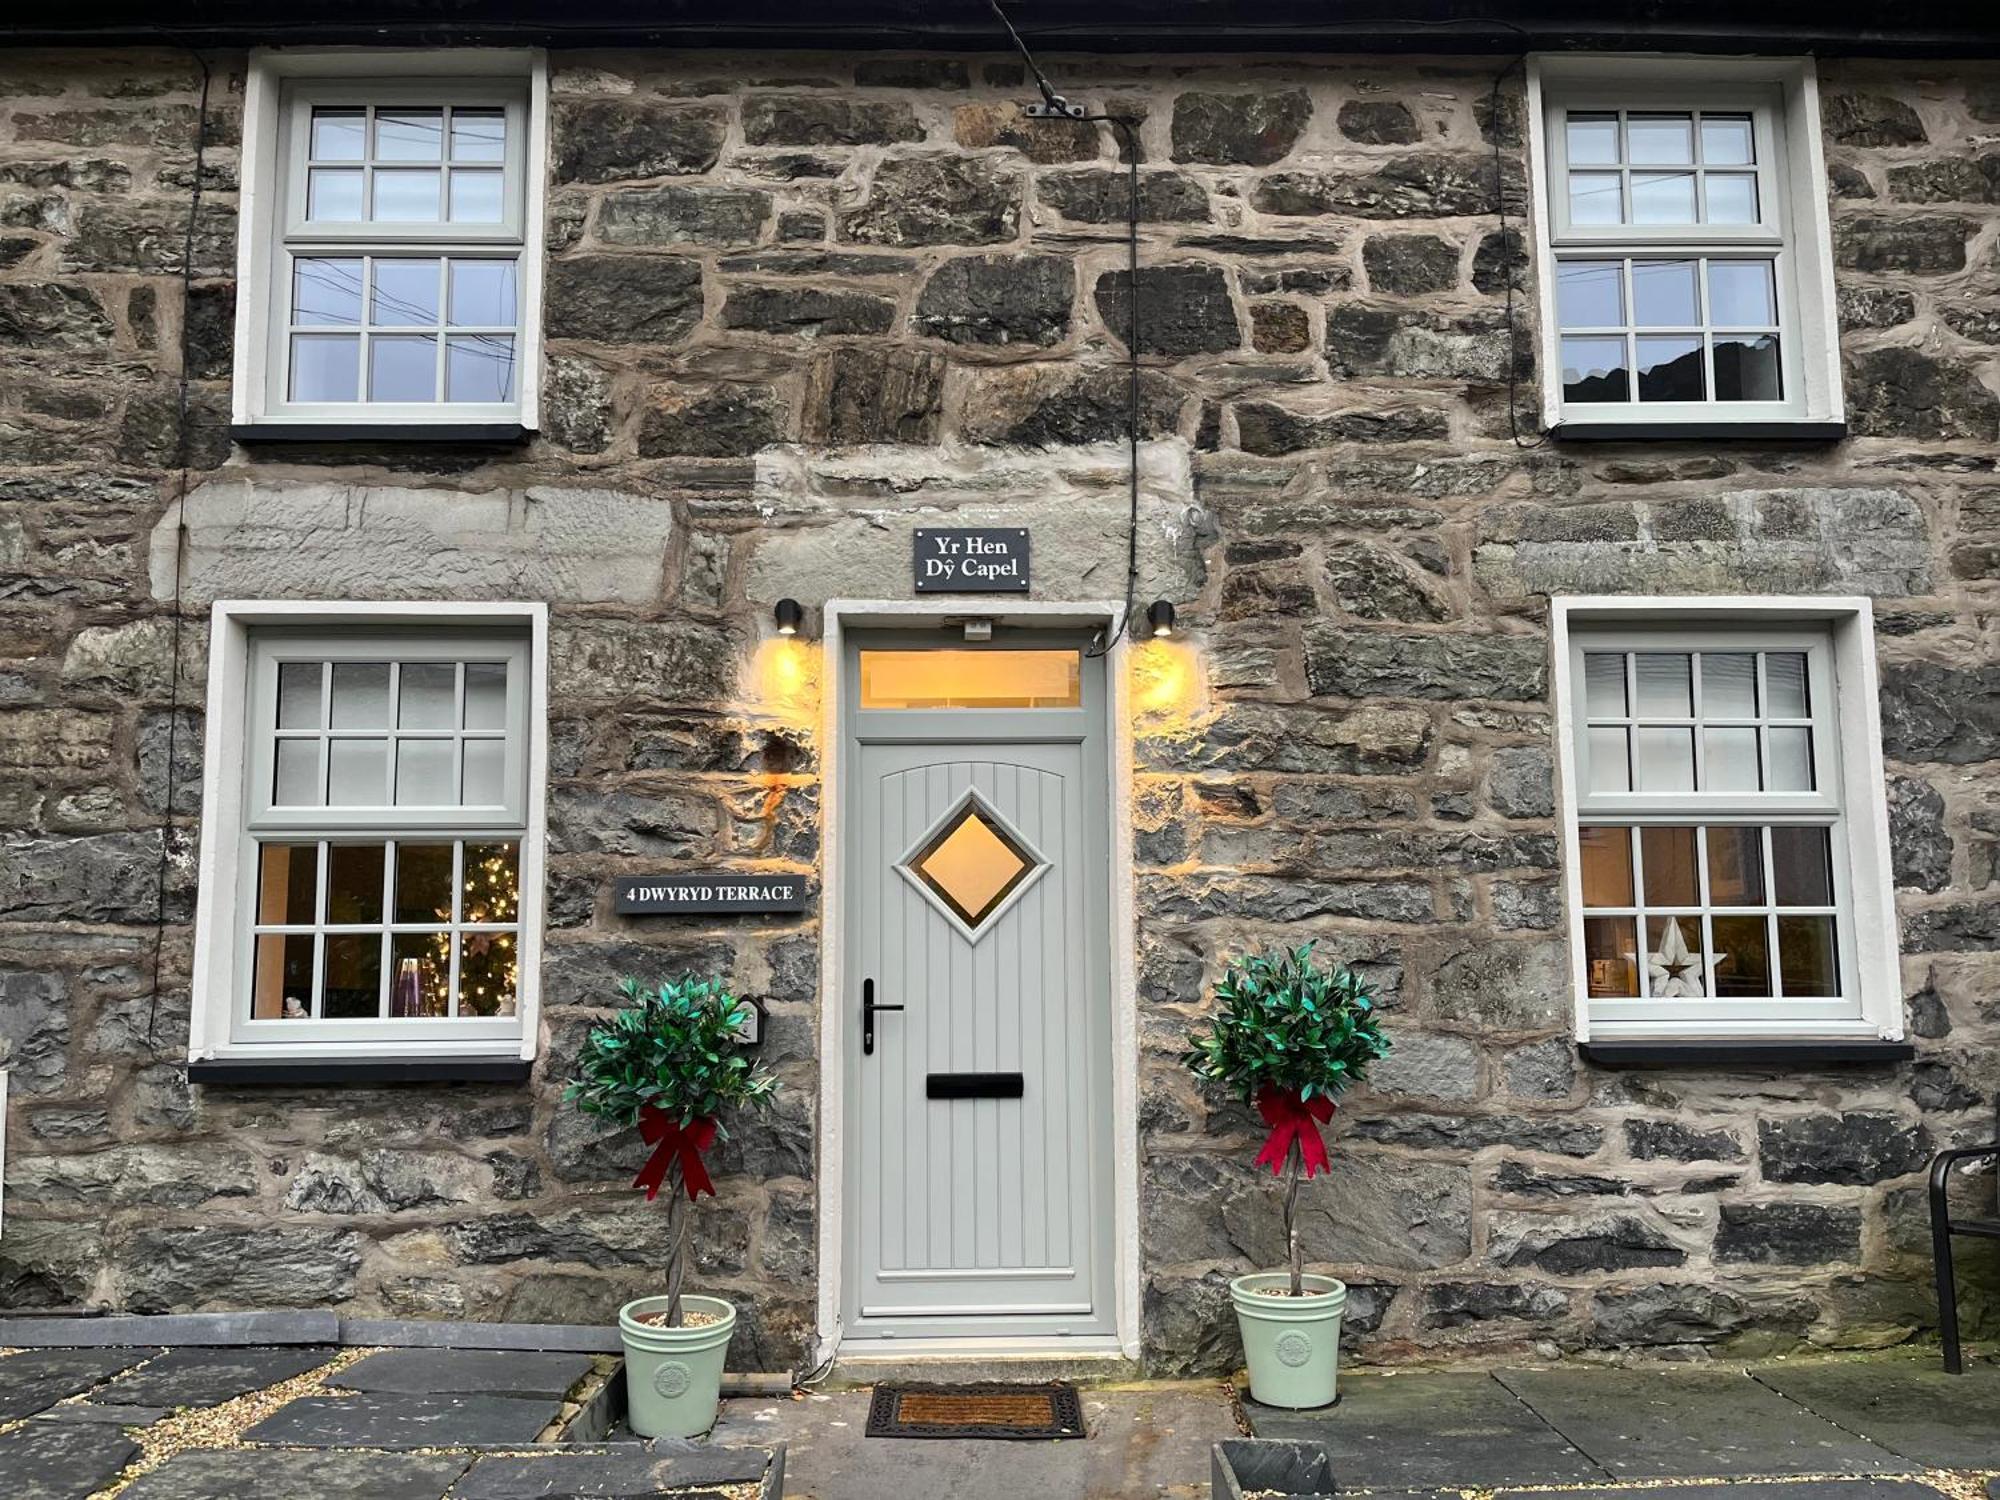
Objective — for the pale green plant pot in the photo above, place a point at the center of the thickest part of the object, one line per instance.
(1291, 1344)
(673, 1376)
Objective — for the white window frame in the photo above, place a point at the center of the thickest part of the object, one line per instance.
(280, 88)
(1849, 773)
(230, 816)
(1782, 95)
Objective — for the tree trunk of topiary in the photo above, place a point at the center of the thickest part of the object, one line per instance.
(680, 1220)
(1294, 1159)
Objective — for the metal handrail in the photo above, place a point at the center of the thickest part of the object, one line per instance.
(1942, 1230)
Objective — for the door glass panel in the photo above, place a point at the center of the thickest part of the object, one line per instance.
(953, 678)
(972, 864)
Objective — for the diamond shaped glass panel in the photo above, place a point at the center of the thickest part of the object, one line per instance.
(972, 863)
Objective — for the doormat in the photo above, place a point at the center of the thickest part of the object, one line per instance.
(986, 1409)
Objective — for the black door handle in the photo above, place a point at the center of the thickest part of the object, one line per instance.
(868, 1009)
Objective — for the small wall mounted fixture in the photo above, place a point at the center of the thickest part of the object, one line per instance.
(789, 616)
(1160, 618)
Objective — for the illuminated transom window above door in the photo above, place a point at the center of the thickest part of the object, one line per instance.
(972, 864)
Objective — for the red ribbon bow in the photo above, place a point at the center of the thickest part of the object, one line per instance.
(1293, 1119)
(671, 1141)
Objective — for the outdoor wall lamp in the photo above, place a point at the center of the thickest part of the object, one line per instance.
(789, 616)
(1160, 618)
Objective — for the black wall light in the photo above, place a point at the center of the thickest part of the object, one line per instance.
(1160, 618)
(789, 616)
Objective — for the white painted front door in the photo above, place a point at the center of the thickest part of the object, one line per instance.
(978, 1193)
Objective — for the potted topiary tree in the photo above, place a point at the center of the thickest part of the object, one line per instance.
(1289, 1038)
(669, 1063)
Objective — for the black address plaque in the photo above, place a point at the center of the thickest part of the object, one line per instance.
(674, 895)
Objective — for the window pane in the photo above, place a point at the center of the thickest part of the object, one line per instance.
(1728, 685)
(1610, 955)
(1742, 955)
(1791, 760)
(485, 694)
(426, 695)
(1674, 957)
(403, 196)
(282, 987)
(1610, 760)
(478, 135)
(1802, 868)
(492, 883)
(326, 291)
(338, 134)
(1730, 760)
(1663, 294)
(1663, 197)
(1666, 855)
(482, 294)
(296, 782)
(361, 695)
(1590, 294)
(1659, 140)
(423, 772)
(1666, 760)
(402, 367)
(1740, 294)
(1605, 858)
(1726, 140)
(475, 196)
(421, 962)
(354, 882)
(485, 761)
(479, 367)
(325, 367)
(353, 976)
(333, 195)
(288, 885)
(1591, 139)
(1665, 684)
(1670, 369)
(1595, 198)
(1732, 198)
(1594, 370)
(1736, 866)
(298, 694)
(970, 679)
(1785, 684)
(1747, 368)
(356, 773)
(1604, 684)
(409, 134)
(1808, 956)
(405, 293)
(423, 882)
(486, 974)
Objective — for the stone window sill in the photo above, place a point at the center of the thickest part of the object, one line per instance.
(1699, 432)
(1726, 1055)
(300, 1072)
(380, 432)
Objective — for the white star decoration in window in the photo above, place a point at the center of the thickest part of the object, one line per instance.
(1675, 970)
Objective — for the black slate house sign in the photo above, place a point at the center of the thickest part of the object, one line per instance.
(971, 560)
(722, 891)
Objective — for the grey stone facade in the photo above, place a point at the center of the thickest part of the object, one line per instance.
(799, 304)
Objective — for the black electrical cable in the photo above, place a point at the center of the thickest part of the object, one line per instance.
(1056, 107)
(1509, 263)
(183, 456)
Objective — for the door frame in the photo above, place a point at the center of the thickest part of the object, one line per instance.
(839, 1029)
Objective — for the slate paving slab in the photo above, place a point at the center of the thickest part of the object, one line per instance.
(396, 1420)
(1783, 1489)
(615, 1476)
(38, 1378)
(248, 1474)
(493, 1372)
(61, 1460)
(1417, 1431)
(1913, 1409)
(206, 1377)
(1666, 1424)
(114, 1416)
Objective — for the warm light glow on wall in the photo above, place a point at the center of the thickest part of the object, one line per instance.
(1166, 682)
(784, 680)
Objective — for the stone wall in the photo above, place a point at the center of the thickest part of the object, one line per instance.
(799, 304)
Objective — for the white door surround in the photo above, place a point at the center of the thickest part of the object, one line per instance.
(840, 1013)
